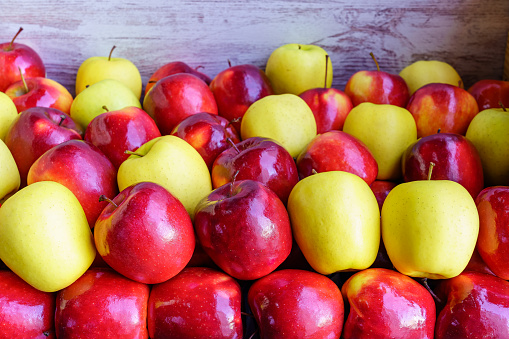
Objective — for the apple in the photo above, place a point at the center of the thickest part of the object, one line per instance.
(236, 88)
(477, 264)
(295, 68)
(17, 59)
(115, 132)
(102, 304)
(381, 189)
(429, 228)
(476, 306)
(260, 159)
(25, 312)
(330, 106)
(39, 92)
(423, 72)
(295, 303)
(66, 164)
(197, 303)
(387, 304)
(44, 236)
(455, 157)
(97, 68)
(172, 163)
(35, 131)
(8, 112)
(208, 133)
(335, 221)
(387, 131)
(8, 172)
(285, 118)
(244, 227)
(100, 97)
(442, 106)
(171, 68)
(176, 97)
(337, 151)
(377, 87)
(489, 93)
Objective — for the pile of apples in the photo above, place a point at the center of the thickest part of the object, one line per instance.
(257, 203)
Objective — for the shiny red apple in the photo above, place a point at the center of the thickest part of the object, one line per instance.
(171, 68)
(489, 93)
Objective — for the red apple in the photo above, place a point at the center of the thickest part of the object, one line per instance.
(330, 106)
(145, 234)
(25, 312)
(260, 159)
(489, 93)
(35, 131)
(381, 189)
(176, 97)
(197, 303)
(387, 304)
(476, 264)
(454, 156)
(337, 151)
(115, 132)
(477, 306)
(82, 168)
(236, 88)
(15, 56)
(171, 68)
(39, 92)
(245, 229)
(102, 304)
(296, 304)
(442, 106)
(208, 134)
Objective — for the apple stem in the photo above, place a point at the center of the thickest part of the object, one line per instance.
(439, 130)
(313, 171)
(431, 165)
(247, 314)
(300, 47)
(374, 59)
(105, 198)
(105, 108)
(23, 79)
(12, 41)
(132, 153)
(237, 119)
(252, 335)
(502, 106)
(424, 282)
(233, 144)
(62, 119)
(229, 63)
(109, 57)
(198, 67)
(233, 182)
(326, 69)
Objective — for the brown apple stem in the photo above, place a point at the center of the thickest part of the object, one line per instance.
(313, 171)
(132, 153)
(12, 41)
(252, 335)
(300, 47)
(502, 106)
(233, 144)
(229, 63)
(104, 107)
(374, 59)
(424, 282)
(105, 198)
(198, 67)
(326, 69)
(109, 57)
(62, 119)
(237, 119)
(233, 182)
(23, 79)
(247, 314)
(430, 170)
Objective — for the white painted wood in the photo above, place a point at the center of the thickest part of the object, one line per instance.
(469, 34)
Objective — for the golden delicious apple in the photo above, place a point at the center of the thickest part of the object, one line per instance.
(285, 118)
(387, 131)
(9, 173)
(335, 221)
(425, 72)
(8, 112)
(45, 237)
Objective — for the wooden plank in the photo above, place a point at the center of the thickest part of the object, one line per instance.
(469, 34)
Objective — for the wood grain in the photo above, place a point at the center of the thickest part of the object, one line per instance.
(469, 34)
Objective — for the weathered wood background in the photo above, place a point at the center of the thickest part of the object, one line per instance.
(469, 34)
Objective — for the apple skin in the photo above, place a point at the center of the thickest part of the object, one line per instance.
(197, 303)
(245, 229)
(35, 131)
(102, 304)
(260, 159)
(148, 236)
(337, 151)
(330, 107)
(115, 132)
(476, 264)
(454, 156)
(176, 97)
(477, 306)
(42, 92)
(387, 304)
(490, 92)
(208, 134)
(442, 106)
(67, 162)
(236, 88)
(25, 312)
(295, 303)
(171, 68)
(381, 189)
(493, 240)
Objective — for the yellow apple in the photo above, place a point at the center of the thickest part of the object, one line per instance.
(110, 94)
(8, 172)
(8, 112)
(489, 132)
(45, 237)
(430, 228)
(95, 69)
(387, 131)
(295, 68)
(172, 163)
(424, 72)
(335, 221)
(285, 118)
